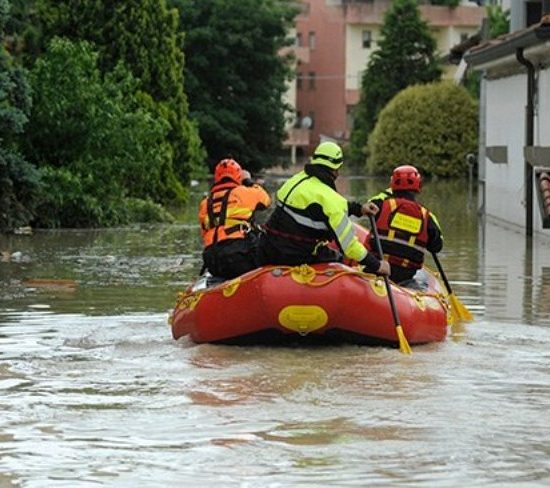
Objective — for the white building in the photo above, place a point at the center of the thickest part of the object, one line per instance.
(514, 153)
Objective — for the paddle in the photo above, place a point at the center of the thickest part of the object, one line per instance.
(403, 343)
(458, 309)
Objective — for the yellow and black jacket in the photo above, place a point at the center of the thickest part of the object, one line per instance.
(309, 213)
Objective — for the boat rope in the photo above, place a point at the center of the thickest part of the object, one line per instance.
(306, 275)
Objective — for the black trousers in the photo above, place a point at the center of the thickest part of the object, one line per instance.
(232, 257)
(279, 250)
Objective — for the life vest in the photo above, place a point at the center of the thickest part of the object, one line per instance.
(227, 212)
(403, 228)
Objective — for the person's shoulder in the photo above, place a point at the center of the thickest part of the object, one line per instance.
(383, 195)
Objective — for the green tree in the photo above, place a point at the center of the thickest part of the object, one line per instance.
(431, 126)
(406, 56)
(19, 180)
(96, 138)
(499, 24)
(144, 35)
(499, 20)
(447, 3)
(235, 76)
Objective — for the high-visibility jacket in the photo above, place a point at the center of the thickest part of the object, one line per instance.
(310, 213)
(406, 230)
(227, 212)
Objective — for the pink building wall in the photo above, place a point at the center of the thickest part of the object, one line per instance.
(326, 101)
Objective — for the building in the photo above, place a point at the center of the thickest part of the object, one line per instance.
(334, 40)
(514, 152)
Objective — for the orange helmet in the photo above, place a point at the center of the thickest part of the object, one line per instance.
(406, 178)
(228, 168)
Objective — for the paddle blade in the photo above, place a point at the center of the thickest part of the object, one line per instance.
(459, 310)
(403, 343)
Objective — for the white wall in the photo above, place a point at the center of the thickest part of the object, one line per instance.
(506, 99)
(356, 56)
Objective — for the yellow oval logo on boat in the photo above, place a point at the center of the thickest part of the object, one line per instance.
(303, 318)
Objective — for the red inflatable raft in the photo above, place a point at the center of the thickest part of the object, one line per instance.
(322, 303)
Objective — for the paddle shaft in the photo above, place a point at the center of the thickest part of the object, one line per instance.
(442, 273)
(386, 279)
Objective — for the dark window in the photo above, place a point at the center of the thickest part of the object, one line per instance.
(367, 39)
(312, 80)
(298, 39)
(299, 81)
(533, 13)
(312, 117)
(311, 40)
(298, 119)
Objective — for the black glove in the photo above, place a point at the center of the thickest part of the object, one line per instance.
(354, 208)
(371, 263)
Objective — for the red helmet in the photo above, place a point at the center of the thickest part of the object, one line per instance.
(406, 178)
(228, 168)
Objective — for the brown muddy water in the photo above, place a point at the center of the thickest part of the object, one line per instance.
(95, 392)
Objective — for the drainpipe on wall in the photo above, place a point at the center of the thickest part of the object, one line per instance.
(529, 139)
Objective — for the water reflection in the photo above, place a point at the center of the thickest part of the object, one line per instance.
(516, 275)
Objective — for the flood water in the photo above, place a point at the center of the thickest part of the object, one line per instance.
(95, 392)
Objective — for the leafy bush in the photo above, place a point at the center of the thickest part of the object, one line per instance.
(432, 127)
(146, 211)
(66, 201)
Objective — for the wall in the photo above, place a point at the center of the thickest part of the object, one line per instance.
(504, 182)
(505, 126)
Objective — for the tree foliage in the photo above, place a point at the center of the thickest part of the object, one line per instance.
(96, 139)
(432, 127)
(447, 3)
(499, 20)
(499, 24)
(144, 35)
(405, 56)
(234, 75)
(19, 181)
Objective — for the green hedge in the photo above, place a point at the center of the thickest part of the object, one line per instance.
(432, 127)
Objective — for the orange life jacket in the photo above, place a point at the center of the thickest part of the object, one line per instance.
(227, 212)
(403, 228)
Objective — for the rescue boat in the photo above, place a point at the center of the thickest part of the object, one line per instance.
(321, 303)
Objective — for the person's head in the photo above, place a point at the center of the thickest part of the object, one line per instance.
(228, 169)
(406, 178)
(328, 154)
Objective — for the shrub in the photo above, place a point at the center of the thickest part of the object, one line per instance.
(432, 127)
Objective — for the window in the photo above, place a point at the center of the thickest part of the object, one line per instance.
(312, 80)
(299, 79)
(533, 13)
(312, 117)
(311, 40)
(298, 119)
(367, 39)
(298, 41)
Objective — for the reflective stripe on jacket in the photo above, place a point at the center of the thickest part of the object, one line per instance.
(313, 212)
(227, 212)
